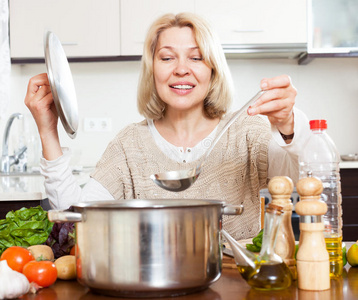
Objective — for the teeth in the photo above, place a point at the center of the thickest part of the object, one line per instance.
(183, 87)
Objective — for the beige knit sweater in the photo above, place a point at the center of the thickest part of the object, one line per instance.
(234, 172)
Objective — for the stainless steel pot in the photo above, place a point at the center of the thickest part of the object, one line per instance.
(147, 248)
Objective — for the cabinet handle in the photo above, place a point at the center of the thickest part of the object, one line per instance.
(248, 30)
(69, 44)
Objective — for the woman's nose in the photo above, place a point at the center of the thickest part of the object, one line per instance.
(181, 68)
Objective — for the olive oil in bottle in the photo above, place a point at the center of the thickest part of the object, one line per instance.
(248, 271)
(334, 248)
(271, 276)
(267, 271)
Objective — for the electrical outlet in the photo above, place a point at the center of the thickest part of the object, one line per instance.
(97, 124)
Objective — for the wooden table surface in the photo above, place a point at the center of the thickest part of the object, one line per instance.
(230, 286)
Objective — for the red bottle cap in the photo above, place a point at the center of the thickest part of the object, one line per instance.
(318, 124)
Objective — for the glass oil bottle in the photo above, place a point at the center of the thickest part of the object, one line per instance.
(267, 271)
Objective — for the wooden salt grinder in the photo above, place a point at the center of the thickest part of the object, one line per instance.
(312, 255)
(281, 188)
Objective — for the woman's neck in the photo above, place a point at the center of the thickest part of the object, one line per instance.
(185, 130)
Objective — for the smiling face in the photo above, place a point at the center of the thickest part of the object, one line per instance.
(181, 76)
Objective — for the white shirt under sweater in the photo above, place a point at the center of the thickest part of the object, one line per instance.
(63, 191)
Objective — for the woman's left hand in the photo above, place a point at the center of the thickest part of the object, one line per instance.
(277, 103)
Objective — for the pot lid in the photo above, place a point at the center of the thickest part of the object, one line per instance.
(61, 83)
(142, 204)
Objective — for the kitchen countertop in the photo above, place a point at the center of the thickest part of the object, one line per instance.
(230, 286)
(22, 188)
(348, 165)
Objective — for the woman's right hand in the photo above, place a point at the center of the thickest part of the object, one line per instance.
(40, 102)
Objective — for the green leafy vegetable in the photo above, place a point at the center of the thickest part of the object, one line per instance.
(24, 227)
(256, 242)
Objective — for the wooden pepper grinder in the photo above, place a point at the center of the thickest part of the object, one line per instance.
(281, 188)
(312, 255)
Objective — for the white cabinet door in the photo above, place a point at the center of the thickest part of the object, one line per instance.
(333, 26)
(138, 15)
(256, 21)
(86, 28)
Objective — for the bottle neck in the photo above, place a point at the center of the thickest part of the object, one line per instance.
(271, 227)
(318, 130)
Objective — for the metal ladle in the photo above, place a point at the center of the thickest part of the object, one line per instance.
(177, 181)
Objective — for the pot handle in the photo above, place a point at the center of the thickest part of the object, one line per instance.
(61, 216)
(233, 210)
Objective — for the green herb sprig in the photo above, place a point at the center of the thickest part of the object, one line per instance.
(256, 242)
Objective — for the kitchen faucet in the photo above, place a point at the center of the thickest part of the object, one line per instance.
(6, 160)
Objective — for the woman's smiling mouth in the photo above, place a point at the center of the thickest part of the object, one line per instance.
(182, 89)
(182, 86)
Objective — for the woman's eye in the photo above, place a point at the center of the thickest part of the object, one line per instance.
(198, 58)
(166, 58)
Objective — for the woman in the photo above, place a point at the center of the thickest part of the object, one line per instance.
(184, 93)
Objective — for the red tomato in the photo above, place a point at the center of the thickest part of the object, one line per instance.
(17, 257)
(73, 251)
(44, 272)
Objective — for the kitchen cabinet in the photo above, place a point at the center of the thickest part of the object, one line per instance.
(86, 28)
(138, 15)
(349, 179)
(256, 21)
(332, 29)
(257, 25)
(240, 25)
(115, 29)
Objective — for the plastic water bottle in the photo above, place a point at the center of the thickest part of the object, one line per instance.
(320, 156)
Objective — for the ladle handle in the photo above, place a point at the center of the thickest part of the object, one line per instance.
(233, 118)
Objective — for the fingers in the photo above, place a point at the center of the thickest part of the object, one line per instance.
(37, 88)
(41, 98)
(278, 100)
(281, 81)
(43, 91)
(272, 101)
(38, 103)
(36, 82)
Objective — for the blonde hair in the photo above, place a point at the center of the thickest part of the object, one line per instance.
(220, 92)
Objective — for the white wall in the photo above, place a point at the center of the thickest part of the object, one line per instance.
(327, 88)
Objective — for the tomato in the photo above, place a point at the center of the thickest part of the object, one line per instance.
(79, 268)
(73, 250)
(17, 257)
(44, 272)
